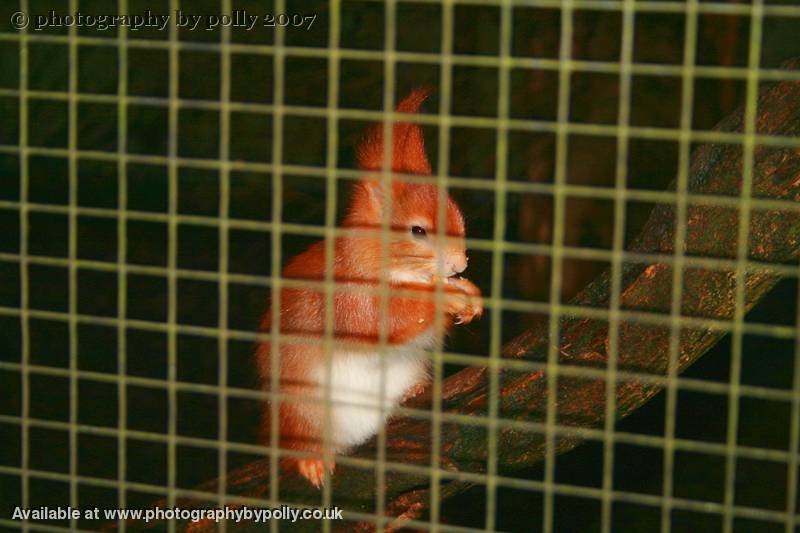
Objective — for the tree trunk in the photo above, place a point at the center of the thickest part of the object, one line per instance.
(774, 237)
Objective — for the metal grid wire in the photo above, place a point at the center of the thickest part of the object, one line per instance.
(497, 246)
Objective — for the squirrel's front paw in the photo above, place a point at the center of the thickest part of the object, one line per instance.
(464, 300)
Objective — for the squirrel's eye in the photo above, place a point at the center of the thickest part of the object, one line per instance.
(418, 231)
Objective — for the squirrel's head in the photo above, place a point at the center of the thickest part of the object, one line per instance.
(419, 247)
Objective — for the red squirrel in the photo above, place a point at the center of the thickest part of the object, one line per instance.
(417, 261)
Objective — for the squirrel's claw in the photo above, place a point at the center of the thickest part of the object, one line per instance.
(464, 302)
(314, 470)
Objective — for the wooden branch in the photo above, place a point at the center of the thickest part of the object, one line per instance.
(644, 342)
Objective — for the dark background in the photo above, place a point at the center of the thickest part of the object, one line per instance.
(656, 102)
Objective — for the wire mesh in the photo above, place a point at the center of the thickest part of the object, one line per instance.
(676, 506)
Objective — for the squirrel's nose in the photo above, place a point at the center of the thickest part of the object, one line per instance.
(457, 263)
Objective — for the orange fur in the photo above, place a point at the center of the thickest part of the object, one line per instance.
(359, 263)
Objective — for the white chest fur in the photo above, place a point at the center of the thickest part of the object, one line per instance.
(366, 385)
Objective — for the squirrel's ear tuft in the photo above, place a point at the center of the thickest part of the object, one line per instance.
(408, 142)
